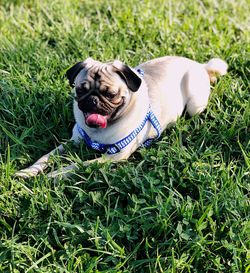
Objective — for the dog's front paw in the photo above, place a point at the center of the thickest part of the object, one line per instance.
(25, 173)
(28, 172)
(63, 173)
(59, 175)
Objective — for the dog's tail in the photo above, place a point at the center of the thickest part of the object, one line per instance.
(216, 67)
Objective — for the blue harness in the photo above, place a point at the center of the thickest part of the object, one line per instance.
(121, 144)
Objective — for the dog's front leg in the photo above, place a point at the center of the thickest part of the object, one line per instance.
(40, 165)
(66, 172)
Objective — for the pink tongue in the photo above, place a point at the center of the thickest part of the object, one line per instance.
(97, 120)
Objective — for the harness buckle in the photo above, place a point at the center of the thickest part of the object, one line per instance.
(113, 149)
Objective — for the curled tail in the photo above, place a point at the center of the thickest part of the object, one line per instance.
(216, 67)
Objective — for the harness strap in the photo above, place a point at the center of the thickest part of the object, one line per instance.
(121, 144)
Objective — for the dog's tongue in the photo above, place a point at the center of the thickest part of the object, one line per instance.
(96, 120)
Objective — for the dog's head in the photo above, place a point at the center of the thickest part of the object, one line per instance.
(103, 91)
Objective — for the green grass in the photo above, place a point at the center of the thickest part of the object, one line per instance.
(180, 206)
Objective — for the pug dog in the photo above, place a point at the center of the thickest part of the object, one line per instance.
(117, 108)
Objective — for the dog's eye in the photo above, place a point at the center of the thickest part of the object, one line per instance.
(110, 95)
(82, 88)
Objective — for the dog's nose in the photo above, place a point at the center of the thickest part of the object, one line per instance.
(94, 100)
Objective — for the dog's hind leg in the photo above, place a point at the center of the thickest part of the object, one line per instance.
(196, 86)
(196, 83)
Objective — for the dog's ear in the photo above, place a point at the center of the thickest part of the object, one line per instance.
(132, 80)
(72, 72)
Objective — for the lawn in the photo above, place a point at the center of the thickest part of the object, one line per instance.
(181, 205)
